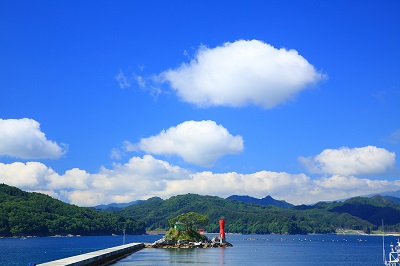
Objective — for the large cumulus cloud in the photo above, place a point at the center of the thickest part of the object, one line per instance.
(242, 73)
(346, 161)
(22, 138)
(196, 142)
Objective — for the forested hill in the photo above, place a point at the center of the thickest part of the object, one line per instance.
(373, 210)
(24, 213)
(242, 217)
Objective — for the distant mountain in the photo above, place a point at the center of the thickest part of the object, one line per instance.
(391, 193)
(395, 194)
(391, 198)
(116, 205)
(373, 210)
(268, 200)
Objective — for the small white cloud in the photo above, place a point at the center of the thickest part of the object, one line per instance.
(149, 85)
(141, 81)
(116, 154)
(122, 80)
(22, 138)
(242, 73)
(394, 137)
(197, 142)
(351, 161)
(128, 146)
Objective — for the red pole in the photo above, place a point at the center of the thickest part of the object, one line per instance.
(222, 230)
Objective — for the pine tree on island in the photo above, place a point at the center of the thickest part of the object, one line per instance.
(184, 227)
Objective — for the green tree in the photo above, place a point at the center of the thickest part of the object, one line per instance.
(190, 220)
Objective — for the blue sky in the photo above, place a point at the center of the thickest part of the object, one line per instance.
(114, 101)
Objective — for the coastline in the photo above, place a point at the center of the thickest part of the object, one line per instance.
(163, 232)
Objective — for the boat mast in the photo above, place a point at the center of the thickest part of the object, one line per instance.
(383, 243)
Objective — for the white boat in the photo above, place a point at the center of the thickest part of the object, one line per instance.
(394, 251)
(393, 255)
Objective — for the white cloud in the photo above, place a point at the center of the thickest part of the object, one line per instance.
(144, 84)
(116, 154)
(72, 179)
(122, 80)
(197, 142)
(351, 161)
(22, 138)
(259, 184)
(242, 73)
(141, 178)
(394, 137)
(26, 175)
(294, 188)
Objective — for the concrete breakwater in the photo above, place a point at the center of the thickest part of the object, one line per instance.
(100, 257)
(111, 255)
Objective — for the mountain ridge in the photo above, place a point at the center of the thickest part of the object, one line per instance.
(266, 201)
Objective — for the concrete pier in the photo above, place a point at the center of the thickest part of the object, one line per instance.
(100, 257)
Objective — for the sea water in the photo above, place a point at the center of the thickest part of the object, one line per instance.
(22, 251)
(273, 250)
(247, 250)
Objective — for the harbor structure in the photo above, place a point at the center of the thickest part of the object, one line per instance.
(222, 230)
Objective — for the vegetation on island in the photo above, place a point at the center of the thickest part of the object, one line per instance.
(188, 230)
(190, 220)
(24, 213)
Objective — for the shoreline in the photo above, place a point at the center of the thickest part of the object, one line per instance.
(349, 232)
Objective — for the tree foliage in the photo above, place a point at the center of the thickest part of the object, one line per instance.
(190, 220)
(190, 235)
(23, 213)
(372, 210)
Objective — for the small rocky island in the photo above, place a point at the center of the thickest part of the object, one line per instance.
(183, 235)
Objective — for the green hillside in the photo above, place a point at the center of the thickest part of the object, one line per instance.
(243, 217)
(23, 213)
(373, 210)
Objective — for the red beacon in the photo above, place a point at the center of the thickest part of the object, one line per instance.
(222, 230)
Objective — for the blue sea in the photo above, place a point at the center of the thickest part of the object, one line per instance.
(246, 250)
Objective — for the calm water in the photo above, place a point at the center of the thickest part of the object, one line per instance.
(247, 250)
